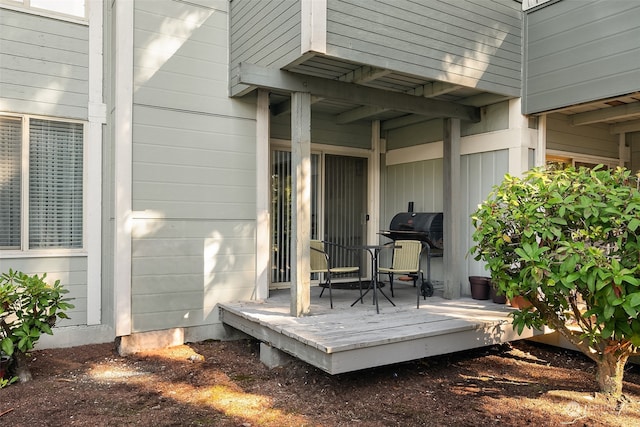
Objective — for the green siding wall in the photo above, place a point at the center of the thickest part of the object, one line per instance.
(494, 117)
(72, 273)
(324, 130)
(44, 65)
(593, 140)
(266, 33)
(194, 162)
(580, 51)
(474, 43)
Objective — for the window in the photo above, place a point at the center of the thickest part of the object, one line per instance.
(75, 8)
(41, 183)
(564, 160)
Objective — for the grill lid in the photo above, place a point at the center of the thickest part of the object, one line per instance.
(424, 226)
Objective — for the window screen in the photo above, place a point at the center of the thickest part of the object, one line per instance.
(10, 182)
(55, 184)
(41, 184)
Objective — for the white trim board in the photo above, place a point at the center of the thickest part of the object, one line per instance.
(123, 140)
(97, 112)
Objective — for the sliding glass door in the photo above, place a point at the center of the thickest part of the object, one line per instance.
(338, 206)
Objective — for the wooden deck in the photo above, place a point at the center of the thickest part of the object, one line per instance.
(352, 338)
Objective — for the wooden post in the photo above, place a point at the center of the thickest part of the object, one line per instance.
(452, 207)
(301, 202)
(263, 183)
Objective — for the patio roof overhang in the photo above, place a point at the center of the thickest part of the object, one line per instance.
(621, 113)
(360, 101)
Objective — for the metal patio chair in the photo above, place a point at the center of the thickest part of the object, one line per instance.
(406, 261)
(321, 262)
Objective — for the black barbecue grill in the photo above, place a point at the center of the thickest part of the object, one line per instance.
(425, 227)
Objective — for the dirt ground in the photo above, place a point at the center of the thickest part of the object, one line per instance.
(224, 384)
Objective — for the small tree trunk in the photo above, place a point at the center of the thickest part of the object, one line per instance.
(610, 372)
(22, 367)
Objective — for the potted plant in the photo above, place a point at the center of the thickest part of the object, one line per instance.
(497, 296)
(479, 287)
(5, 361)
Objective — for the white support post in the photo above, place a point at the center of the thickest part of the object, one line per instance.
(123, 141)
(623, 150)
(453, 257)
(262, 198)
(301, 201)
(373, 204)
(519, 158)
(97, 117)
(541, 146)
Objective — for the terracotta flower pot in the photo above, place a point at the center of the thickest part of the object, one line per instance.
(519, 302)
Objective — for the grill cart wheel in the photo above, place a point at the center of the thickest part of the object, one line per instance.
(426, 289)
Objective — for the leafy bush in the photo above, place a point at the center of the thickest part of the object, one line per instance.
(29, 307)
(569, 242)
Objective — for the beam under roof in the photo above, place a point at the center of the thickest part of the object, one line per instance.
(625, 127)
(619, 112)
(429, 90)
(362, 74)
(286, 81)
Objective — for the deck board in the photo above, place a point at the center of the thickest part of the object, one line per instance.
(352, 338)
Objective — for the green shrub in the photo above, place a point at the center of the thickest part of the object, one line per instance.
(569, 242)
(29, 307)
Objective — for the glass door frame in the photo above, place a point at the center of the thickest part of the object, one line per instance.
(372, 189)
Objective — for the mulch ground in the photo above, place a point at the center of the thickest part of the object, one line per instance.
(224, 384)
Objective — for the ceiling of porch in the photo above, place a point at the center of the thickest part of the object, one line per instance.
(333, 69)
(621, 113)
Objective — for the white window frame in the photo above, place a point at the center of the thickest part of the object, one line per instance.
(24, 250)
(25, 6)
(582, 158)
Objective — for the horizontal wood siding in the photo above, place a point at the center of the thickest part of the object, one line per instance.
(44, 65)
(494, 117)
(183, 268)
(580, 51)
(594, 140)
(194, 163)
(72, 273)
(265, 33)
(475, 43)
(324, 130)
(180, 58)
(188, 165)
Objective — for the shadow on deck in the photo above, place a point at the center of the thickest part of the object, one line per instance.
(352, 338)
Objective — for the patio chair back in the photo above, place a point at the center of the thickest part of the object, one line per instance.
(406, 260)
(319, 258)
(406, 256)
